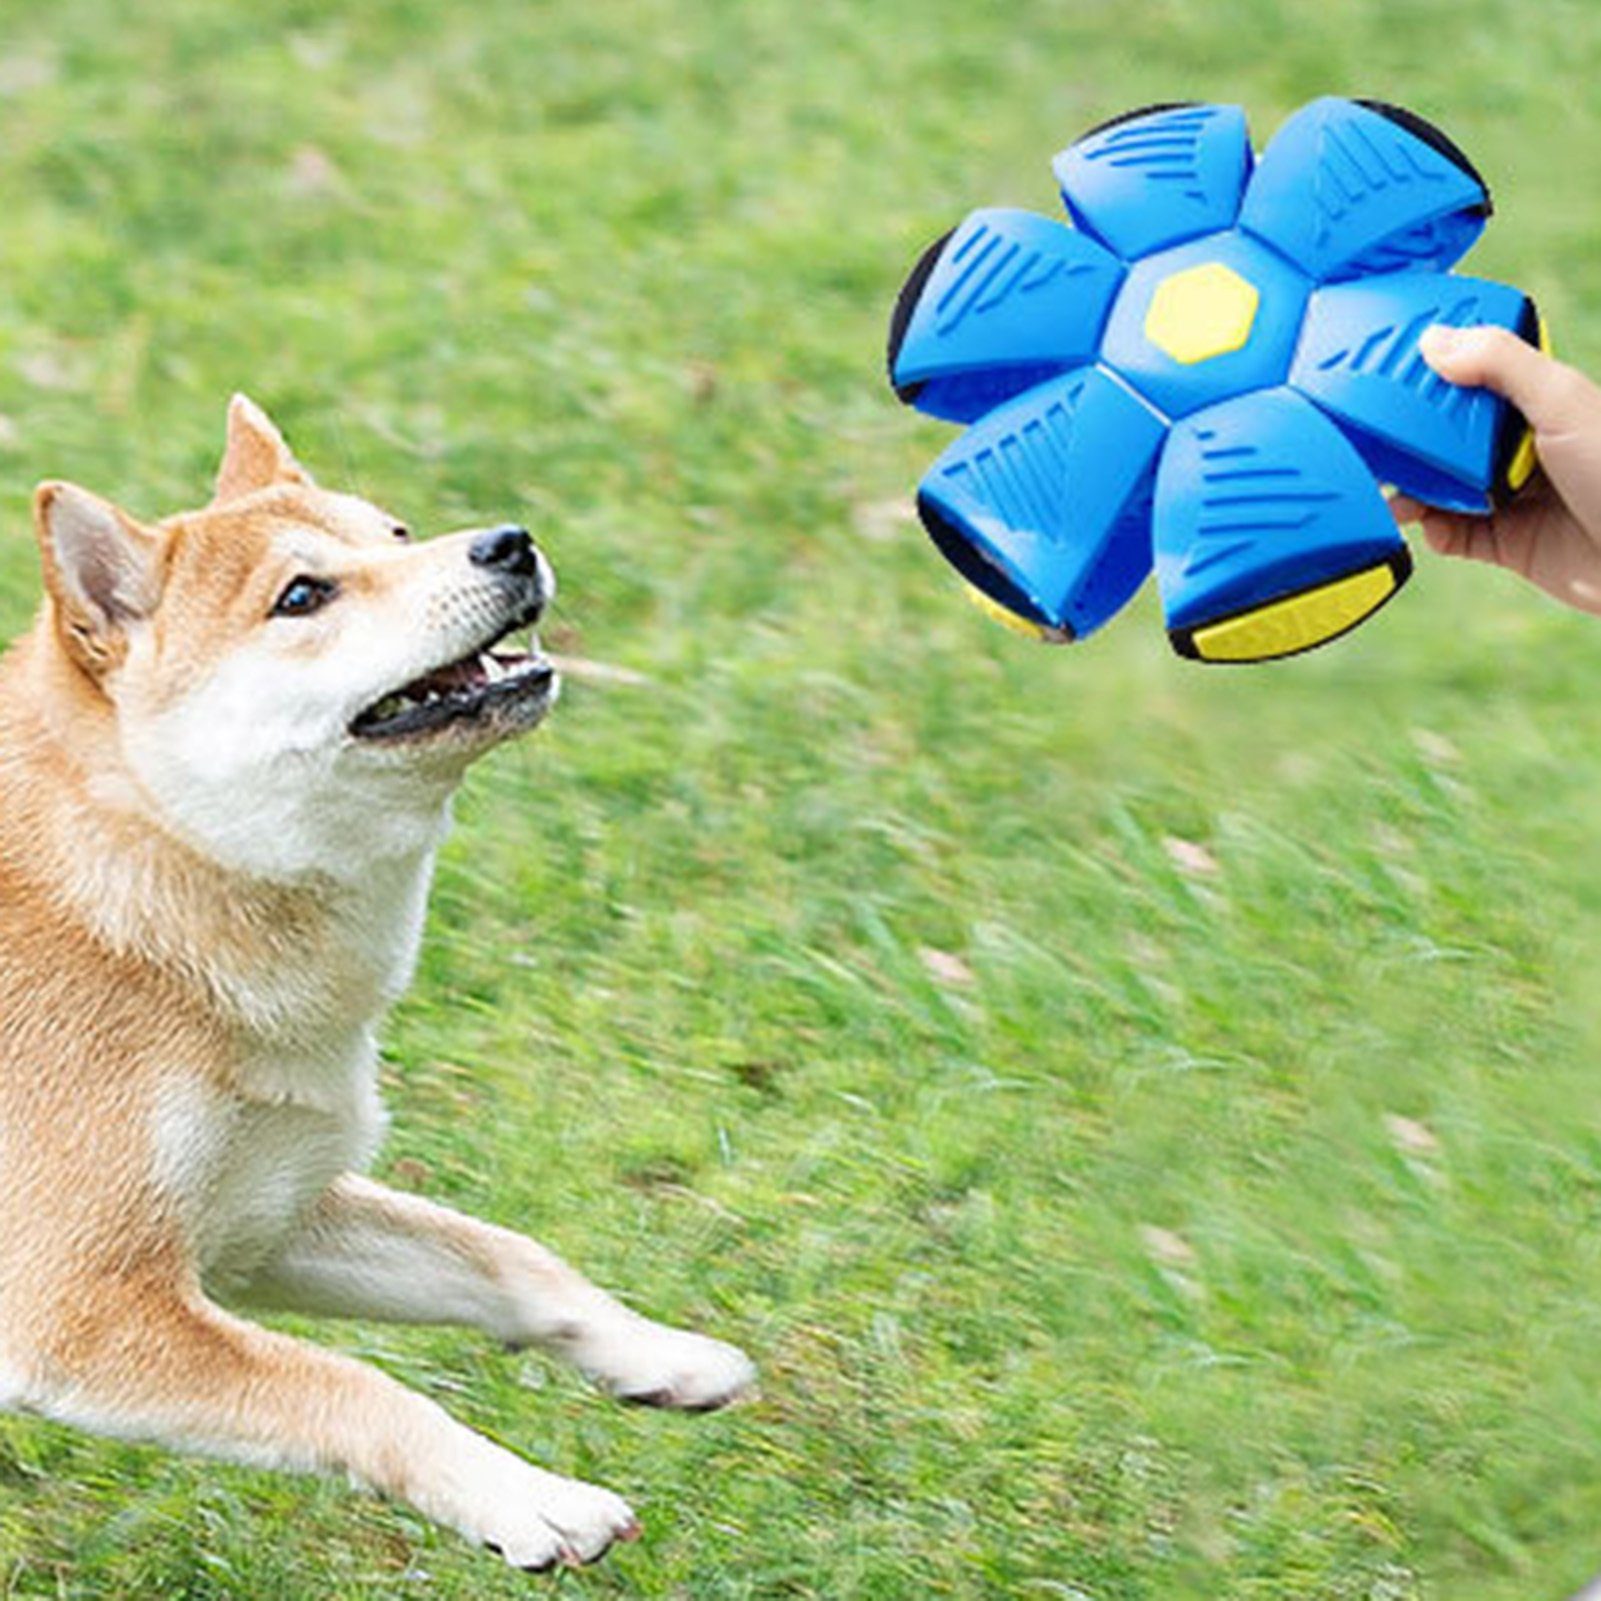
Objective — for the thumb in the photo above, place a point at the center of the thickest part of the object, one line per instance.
(1553, 396)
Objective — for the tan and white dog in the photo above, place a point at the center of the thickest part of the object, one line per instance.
(227, 753)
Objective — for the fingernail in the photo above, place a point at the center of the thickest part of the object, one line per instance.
(1440, 340)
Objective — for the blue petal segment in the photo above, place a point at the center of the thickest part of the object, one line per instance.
(1359, 360)
(1044, 504)
(1258, 497)
(1344, 190)
(1157, 178)
(1012, 299)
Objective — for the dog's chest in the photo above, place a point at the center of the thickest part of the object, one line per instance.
(244, 1169)
(247, 1158)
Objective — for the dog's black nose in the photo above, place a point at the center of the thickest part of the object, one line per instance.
(506, 550)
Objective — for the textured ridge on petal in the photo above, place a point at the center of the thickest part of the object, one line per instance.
(1159, 177)
(1257, 497)
(1359, 360)
(1345, 189)
(1008, 300)
(1044, 503)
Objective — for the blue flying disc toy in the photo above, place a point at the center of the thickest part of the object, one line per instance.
(1210, 371)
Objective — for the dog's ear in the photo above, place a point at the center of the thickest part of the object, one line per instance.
(256, 456)
(101, 567)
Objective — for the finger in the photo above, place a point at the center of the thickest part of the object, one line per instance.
(1447, 532)
(1553, 396)
(1406, 510)
(1448, 536)
(1468, 538)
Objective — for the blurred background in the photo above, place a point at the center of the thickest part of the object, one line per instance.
(1145, 1120)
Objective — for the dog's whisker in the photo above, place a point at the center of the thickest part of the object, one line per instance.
(593, 672)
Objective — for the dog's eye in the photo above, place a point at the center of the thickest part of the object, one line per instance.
(303, 595)
(401, 532)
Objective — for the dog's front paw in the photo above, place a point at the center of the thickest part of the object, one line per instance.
(537, 1520)
(652, 1365)
(567, 1522)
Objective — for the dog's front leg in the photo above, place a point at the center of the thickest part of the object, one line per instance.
(372, 1252)
(149, 1362)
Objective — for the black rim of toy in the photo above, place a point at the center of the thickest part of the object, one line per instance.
(1514, 425)
(905, 305)
(982, 573)
(1151, 110)
(1183, 639)
(1437, 139)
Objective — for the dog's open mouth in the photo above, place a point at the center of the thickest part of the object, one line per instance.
(474, 689)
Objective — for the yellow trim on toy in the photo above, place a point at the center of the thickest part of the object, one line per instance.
(1202, 312)
(1026, 626)
(1525, 458)
(997, 613)
(1298, 622)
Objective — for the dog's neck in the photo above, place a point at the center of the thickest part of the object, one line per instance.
(291, 962)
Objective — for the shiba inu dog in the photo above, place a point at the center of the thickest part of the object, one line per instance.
(227, 752)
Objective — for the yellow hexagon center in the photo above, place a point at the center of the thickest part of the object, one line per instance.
(1202, 312)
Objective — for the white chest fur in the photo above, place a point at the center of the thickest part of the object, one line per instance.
(244, 1173)
(245, 1159)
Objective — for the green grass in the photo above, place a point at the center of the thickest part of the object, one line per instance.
(1221, 1224)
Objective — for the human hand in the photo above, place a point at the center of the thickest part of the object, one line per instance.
(1551, 533)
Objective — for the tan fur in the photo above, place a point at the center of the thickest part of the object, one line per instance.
(189, 999)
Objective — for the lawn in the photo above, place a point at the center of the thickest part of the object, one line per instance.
(1144, 1120)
